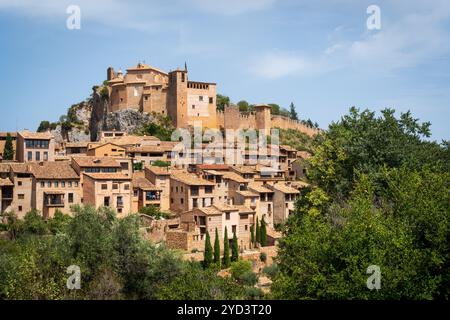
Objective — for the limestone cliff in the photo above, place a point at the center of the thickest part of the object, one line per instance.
(86, 119)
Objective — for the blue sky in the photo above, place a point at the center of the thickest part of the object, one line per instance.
(318, 54)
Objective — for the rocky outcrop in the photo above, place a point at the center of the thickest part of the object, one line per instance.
(86, 119)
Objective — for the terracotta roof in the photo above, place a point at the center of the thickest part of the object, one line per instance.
(259, 188)
(158, 170)
(5, 167)
(299, 184)
(210, 211)
(53, 170)
(284, 188)
(190, 179)
(273, 233)
(287, 148)
(79, 144)
(102, 144)
(6, 182)
(244, 169)
(214, 172)
(139, 181)
(235, 177)
(149, 148)
(108, 176)
(19, 168)
(131, 140)
(225, 207)
(223, 167)
(36, 135)
(243, 209)
(143, 66)
(247, 193)
(89, 161)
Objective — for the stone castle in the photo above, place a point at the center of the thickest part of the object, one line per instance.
(188, 103)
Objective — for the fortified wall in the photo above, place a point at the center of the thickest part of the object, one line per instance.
(261, 118)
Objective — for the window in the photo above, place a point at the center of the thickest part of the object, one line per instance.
(56, 184)
(181, 200)
(42, 184)
(194, 203)
(76, 183)
(104, 186)
(211, 100)
(63, 184)
(208, 189)
(19, 183)
(30, 156)
(45, 156)
(171, 200)
(135, 192)
(21, 196)
(200, 98)
(246, 227)
(69, 184)
(227, 216)
(106, 202)
(233, 228)
(127, 187)
(20, 208)
(70, 197)
(49, 184)
(193, 106)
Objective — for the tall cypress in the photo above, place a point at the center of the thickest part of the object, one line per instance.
(252, 234)
(8, 152)
(263, 233)
(226, 250)
(217, 249)
(258, 232)
(235, 249)
(207, 254)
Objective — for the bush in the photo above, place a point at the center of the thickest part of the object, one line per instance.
(271, 271)
(154, 212)
(242, 272)
(253, 293)
(263, 257)
(104, 93)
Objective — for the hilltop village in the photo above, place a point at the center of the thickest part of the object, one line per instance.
(138, 173)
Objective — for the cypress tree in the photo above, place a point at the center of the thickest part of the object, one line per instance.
(235, 249)
(207, 254)
(217, 249)
(258, 232)
(292, 113)
(226, 250)
(252, 234)
(263, 233)
(8, 152)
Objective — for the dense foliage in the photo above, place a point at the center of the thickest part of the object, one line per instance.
(115, 261)
(379, 195)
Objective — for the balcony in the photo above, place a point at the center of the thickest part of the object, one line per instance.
(152, 196)
(53, 199)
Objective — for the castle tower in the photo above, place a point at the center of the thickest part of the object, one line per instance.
(177, 98)
(110, 74)
(263, 118)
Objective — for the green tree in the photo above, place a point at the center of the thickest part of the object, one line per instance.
(292, 112)
(263, 233)
(275, 108)
(222, 101)
(243, 106)
(234, 248)
(217, 249)
(8, 152)
(252, 234)
(226, 250)
(258, 232)
(208, 253)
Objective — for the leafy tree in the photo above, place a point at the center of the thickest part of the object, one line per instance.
(263, 233)
(58, 223)
(154, 211)
(275, 108)
(8, 152)
(43, 126)
(243, 106)
(234, 248)
(242, 272)
(208, 253)
(292, 112)
(217, 249)
(160, 163)
(222, 101)
(226, 250)
(33, 223)
(162, 131)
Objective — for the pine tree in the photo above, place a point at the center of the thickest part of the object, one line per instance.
(208, 254)
(217, 249)
(263, 233)
(252, 234)
(8, 152)
(258, 232)
(235, 249)
(226, 250)
(292, 113)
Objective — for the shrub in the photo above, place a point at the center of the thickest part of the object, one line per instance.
(263, 256)
(271, 271)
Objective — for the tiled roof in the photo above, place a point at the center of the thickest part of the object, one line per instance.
(235, 177)
(211, 211)
(284, 188)
(287, 148)
(139, 181)
(19, 167)
(243, 209)
(247, 193)
(259, 188)
(244, 169)
(36, 135)
(53, 170)
(158, 170)
(214, 172)
(6, 182)
(190, 179)
(213, 167)
(89, 161)
(80, 144)
(108, 176)
(92, 146)
(5, 167)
